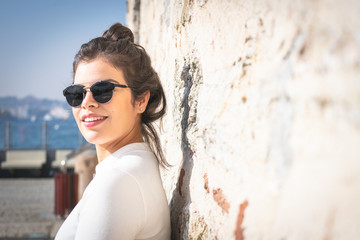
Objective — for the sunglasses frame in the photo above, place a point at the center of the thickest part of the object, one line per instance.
(88, 89)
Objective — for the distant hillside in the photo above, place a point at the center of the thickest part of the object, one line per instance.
(32, 108)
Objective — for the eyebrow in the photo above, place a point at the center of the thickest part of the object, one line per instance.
(111, 80)
(105, 80)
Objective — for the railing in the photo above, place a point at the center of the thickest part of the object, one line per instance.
(33, 148)
(40, 135)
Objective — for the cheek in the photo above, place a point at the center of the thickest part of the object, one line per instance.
(75, 112)
(123, 113)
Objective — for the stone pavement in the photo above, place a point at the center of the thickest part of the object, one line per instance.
(27, 209)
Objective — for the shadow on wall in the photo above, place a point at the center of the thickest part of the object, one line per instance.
(181, 198)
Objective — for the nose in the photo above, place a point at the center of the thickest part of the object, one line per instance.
(88, 100)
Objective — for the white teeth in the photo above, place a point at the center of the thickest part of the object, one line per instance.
(91, 119)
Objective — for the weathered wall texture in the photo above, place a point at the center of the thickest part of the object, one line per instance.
(263, 122)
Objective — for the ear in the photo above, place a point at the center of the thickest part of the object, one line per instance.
(142, 102)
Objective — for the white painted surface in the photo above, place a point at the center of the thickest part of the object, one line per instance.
(273, 118)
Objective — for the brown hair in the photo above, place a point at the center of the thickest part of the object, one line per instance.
(118, 48)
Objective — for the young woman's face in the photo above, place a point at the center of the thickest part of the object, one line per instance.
(115, 123)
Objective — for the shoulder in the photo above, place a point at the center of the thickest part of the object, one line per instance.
(114, 204)
(130, 184)
(116, 181)
(138, 160)
(132, 166)
(119, 194)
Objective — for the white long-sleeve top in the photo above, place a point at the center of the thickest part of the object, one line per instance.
(124, 201)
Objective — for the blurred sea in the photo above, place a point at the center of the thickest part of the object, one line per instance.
(55, 134)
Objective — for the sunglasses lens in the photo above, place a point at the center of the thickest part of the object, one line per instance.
(74, 95)
(102, 91)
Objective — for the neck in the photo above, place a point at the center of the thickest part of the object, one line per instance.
(106, 149)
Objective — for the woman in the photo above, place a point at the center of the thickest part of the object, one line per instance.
(115, 98)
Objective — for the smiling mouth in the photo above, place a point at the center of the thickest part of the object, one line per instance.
(93, 119)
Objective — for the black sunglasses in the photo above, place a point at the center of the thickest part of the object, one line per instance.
(102, 92)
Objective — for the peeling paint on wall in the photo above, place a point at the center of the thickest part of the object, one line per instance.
(206, 183)
(239, 231)
(220, 199)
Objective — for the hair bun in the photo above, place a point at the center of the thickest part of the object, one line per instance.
(118, 32)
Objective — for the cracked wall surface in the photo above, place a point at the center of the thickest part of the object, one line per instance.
(263, 119)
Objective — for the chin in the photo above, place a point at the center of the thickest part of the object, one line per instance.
(93, 138)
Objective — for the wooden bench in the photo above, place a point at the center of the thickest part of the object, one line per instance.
(61, 155)
(24, 159)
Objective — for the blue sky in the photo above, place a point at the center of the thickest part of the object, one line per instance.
(39, 39)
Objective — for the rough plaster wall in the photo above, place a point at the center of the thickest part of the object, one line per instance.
(263, 122)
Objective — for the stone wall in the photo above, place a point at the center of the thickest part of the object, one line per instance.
(263, 121)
